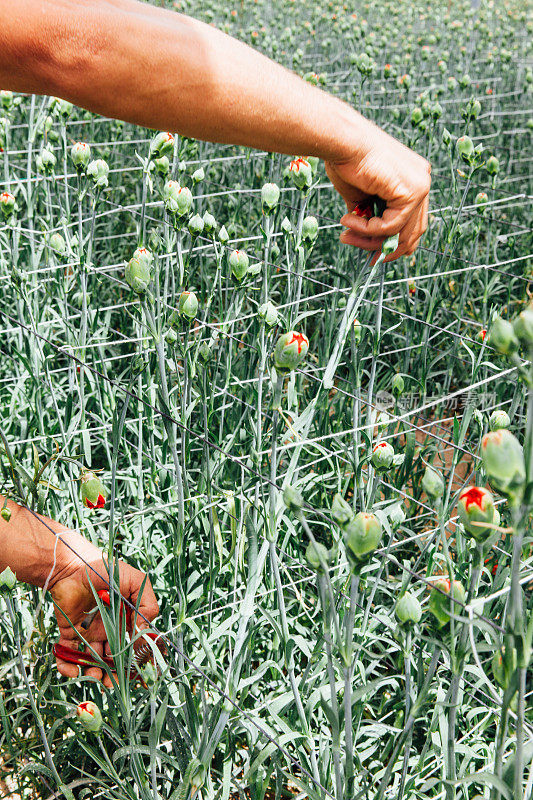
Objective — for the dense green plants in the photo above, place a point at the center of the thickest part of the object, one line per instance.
(324, 464)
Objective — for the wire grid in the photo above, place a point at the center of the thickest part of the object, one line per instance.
(117, 346)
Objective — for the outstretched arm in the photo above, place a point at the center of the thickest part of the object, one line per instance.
(157, 68)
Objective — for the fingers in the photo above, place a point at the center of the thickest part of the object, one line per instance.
(392, 222)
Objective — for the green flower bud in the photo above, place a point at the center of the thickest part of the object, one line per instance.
(291, 349)
(465, 148)
(390, 245)
(397, 385)
(408, 609)
(170, 190)
(198, 175)
(46, 161)
(502, 336)
(503, 461)
(239, 263)
(57, 243)
(416, 116)
(523, 326)
(184, 200)
(5, 513)
(301, 173)
(439, 599)
(270, 196)
(138, 271)
(481, 201)
(492, 165)
(223, 235)
(6, 98)
(162, 145)
(358, 330)
(292, 498)
(286, 226)
(63, 107)
(162, 165)
(93, 493)
(8, 204)
(8, 580)
(90, 716)
(196, 225)
(340, 510)
(80, 153)
(149, 674)
(477, 512)
(362, 535)
(309, 229)
(446, 137)
(188, 305)
(504, 664)
(269, 313)
(499, 419)
(432, 484)
(98, 170)
(210, 222)
(382, 456)
(315, 554)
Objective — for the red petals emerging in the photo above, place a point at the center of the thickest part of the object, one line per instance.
(100, 503)
(474, 496)
(301, 339)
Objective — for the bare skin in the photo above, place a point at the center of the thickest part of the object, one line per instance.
(132, 61)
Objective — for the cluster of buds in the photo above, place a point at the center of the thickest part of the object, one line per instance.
(362, 532)
(138, 271)
(442, 597)
(178, 199)
(268, 313)
(290, 350)
(477, 512)
(80, 153)
(46, 161)
(93, 492)
(503, 462)
(98, 170)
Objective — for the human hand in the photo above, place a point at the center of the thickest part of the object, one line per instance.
(397, 175)
(72, 593)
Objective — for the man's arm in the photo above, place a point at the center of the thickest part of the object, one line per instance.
(157, 68)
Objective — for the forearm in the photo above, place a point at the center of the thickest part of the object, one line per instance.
(33, 551)
(157, 68)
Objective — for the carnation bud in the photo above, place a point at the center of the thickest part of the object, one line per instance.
(210, 222)
(80, 153)
(341, 511)
(223, 235)
(6, 97)
(8, 204)
(291, 349)
(183, 201)
(8, 580)
(46, 161)
(316, 554)
(270, 196)
(503, 461)
(286, 226)
(98, 170)
(408, 609)
(93, 493)
(64, 107)
(309, 229)
(138, 270)
(523, 326)
(149, 674)
(416, 116)
(170, 190)
(5, 513)
(239, 263)
(477, 512)
(465, 148)
(390, 245)
(446, 137)
(481, 201)
(269, 313)
(397, 385)
(362, 535)
(90, 716)
(499, 419)
(439, 599)
(57, 243)
(162, 165)
(292, 498)
(188, 305)
(162, 145)
(301, 173)
(196, 225)
(432, 484)
(504, 663)
(198, 175)
(358, 330)
(492, 165)
(382, 456)
(502, 336)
